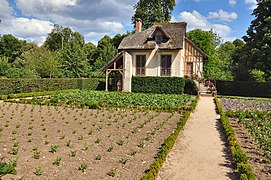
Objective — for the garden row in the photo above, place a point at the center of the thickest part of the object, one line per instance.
(98, 99)
(70, 142)
(249, 120)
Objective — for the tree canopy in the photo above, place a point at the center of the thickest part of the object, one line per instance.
(219, 62)
(256, 53)
(153, 11)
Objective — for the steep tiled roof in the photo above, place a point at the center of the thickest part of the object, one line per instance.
(144, 40)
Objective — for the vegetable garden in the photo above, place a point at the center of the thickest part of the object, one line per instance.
(73, 140)
(251, 120)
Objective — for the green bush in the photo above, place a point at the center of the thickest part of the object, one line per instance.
(238, 156)
(6, 168)
(158, 85)
(190, 87)
(14, 86)
(243, 88)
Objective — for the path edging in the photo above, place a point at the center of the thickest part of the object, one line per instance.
(238, 156)
(168, 144)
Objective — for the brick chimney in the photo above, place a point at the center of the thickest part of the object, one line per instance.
(138, 25)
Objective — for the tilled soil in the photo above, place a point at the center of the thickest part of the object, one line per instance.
(259, 164)
(89, 133)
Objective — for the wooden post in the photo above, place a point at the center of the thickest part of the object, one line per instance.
(106, 80)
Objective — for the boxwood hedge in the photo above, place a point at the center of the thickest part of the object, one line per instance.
(163, 85)
(13, 86)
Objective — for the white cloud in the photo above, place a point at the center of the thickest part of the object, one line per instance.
(252, 3)
(197, 1)
(196, 21)
(93, 19)
(223, 15)
(232, 2)
(5, 9)
(29, 29)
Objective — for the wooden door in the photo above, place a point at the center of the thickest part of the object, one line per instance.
(189, 69)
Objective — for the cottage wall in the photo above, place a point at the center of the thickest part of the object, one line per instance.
(153, 61)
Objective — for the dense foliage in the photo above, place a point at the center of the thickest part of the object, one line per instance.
(101, 98)
(12, 86)
(163, 85)
(160, 85)
(153, 11)
(219, 62)
(252, 59)
(243, 88)
(7, 168)
(63, 54)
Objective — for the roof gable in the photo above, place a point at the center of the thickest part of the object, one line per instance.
(174, 32)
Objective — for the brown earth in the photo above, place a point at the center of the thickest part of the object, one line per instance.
(259, 163)
(200, 151)
(34, 126)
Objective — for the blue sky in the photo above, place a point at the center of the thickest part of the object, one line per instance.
(32, 20)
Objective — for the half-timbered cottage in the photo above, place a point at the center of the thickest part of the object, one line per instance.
(161, 50)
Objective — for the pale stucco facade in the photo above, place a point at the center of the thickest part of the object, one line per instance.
(165, 40)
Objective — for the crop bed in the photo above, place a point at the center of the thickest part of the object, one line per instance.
(96, 99)
(251, 120)
(53, 142)
(242, 104)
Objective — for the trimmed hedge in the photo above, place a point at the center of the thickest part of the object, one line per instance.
(163, 85)
(238, 156)
(243, 88)
(190, 87)
(35, 94)
(13, 86)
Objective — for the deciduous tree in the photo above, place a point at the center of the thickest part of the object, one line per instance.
(152, 11)
(42, 61)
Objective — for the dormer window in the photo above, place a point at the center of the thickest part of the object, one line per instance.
(159, 37)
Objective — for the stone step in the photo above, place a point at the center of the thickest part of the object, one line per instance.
(205, 93)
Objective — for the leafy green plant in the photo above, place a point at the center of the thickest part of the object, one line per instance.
(83, 167)
(110, 148)
(36, 154)
(81, 137)
(123, 160)
(98, 157)
(133, 152)
(73, 153)
(57, 161)
(69, 143)
(7, 168)
(14, 150)
(141, 144)
(85, 147)
(63, 136)
(46, 142)
(112, 172)
(54, 148)
(120, 142)
(90, 132)
(38, 171)
(98, 140)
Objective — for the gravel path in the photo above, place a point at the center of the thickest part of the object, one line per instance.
(200, 151)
